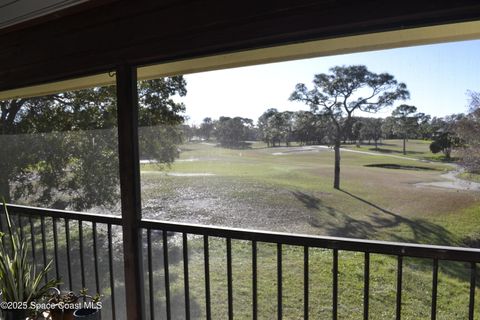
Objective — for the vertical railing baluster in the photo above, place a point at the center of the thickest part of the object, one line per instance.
(112, 278)
(150, 274)
(1, 219)
(80, 243)
(95, 256)
(306, 286)
(279, 281)
(229, 279)
(44, 244)
(206, 256)
(67, 243)
(55, 249)
(20, 226)
(434, 289)
(399, 287)
(254, 280)
(32, 239)
(167, 275)
(473, 275)
(186, 276)
(366, 286)
(335, 285)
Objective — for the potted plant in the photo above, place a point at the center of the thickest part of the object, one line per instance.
(58, 301)
(92, 311)
(20, 283)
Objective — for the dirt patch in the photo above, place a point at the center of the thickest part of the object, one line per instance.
(230, 203)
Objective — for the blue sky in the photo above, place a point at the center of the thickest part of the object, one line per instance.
(437, 76)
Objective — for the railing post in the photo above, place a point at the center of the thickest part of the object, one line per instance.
(127, 106)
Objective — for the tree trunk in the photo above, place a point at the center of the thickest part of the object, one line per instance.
(447, 152)
(404, 145)
(336, 179)
(4, 188)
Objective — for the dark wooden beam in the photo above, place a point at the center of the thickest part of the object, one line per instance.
(130, 189)
(143, 32)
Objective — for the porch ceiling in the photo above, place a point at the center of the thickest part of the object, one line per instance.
(13, 12)
(148, 32)
(375, 41)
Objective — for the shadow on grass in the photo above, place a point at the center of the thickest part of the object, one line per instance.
(384, 144)
(381, 150)
(423, 231)
(339, 223)
(399, 167)
(236, 146)
(309, 201)
(441, 158)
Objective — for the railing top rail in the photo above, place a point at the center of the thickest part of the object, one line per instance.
(61, 214)
(347, 244)
(327, 242)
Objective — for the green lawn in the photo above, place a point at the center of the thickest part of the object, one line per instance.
(396, 146)
(475, 177)
(417, 149)
(285, 189)
(290, 190)
(453, 287)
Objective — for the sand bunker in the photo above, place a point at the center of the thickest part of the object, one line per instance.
(452, 182)
(296, 150)
(182, 174)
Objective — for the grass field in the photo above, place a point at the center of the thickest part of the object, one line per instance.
(475, 177)
(418, 149)
(290, 190)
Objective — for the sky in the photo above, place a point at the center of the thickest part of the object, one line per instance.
(437, 76)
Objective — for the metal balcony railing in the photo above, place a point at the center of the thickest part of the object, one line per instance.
(70, 231)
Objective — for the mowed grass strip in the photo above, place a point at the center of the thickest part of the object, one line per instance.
(453, 292)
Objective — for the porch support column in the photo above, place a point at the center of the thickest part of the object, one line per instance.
(127, 106)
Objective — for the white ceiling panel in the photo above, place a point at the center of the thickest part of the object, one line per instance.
(15, 11)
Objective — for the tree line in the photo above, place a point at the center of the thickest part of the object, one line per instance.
(282, 128)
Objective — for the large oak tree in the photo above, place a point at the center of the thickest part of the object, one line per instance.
(61, 150)
(344, 90)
